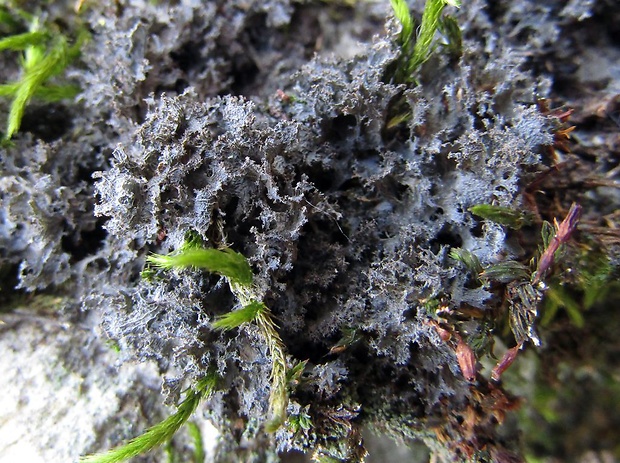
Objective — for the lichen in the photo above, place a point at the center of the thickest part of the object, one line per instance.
(347, 191)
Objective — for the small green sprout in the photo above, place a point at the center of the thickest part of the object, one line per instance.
(507, 271)
(469, 259)
(278, 396)
(349, 337)
(431, 306)
(225, 262)
(162, 432)
(21, 42)
(113, 345)
(196, 436)
(397, 120)
(430, 23)
(547, 233)
(502, 215)
(402, 13)
(293, 375)
(300, 422)
(416, 49)
(236, 268)
(192, 240)
(46, 53)
(237, 318)
(416, 52)
(449, 28)
(481, 339)
(148, 274)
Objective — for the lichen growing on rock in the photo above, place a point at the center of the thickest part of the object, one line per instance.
(347, 226)
(215, 119)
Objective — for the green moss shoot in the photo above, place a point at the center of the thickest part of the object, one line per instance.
(226, 262)
(415, 51)
(196, 436)
(502, 215)
(162, 432)
(237, 318)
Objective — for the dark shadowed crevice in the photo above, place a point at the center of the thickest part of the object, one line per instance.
(48, 122)
(86, 242)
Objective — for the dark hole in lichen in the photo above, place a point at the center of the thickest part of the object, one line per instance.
(187, 56)
(339, 128)
(243, 74)
(478, 230)
(86, 242)
(446, 237)
(48, 122)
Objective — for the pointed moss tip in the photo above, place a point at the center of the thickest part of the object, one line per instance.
(237, 318)
(225, 262)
